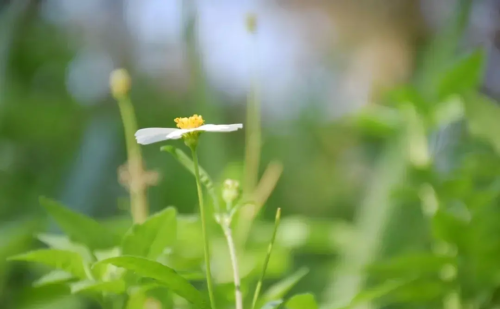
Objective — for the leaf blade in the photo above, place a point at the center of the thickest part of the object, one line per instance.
(163, 274)
(150, 238)
(302, 301)
(68, 261)
(279, 290)
(80, 228)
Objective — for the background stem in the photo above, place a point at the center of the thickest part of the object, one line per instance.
(206, 245)
(253, 130)
(137, 186)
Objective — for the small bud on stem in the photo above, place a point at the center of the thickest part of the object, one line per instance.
(119, 83)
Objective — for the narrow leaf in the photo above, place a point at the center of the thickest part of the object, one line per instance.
(55, 276)
(80, 228)
(279, 290)
(302, 301)
(482, 116)
(115, 286)
(62, 242)
(68, 261)
(186, 161)
(266, 261)
(378, 291)
(273, 304)
(465, 75)
(163, 274)
(150, 238)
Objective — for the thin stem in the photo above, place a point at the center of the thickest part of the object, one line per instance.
(253, 132)
(234, 261)
(268, 256)
(206, 245)
(137, 186)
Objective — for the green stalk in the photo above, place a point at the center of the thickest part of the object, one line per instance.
(234, 262)
(206, 245)
(137, 187)
(268, 256)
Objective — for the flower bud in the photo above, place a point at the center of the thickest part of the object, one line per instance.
(119, 83)
(231, 191)
(251, 23)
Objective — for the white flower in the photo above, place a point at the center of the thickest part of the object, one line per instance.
(186, 125)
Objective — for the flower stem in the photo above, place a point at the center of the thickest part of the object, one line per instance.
(206, 246)
(268, 256)
(234, 261)
(137, 187)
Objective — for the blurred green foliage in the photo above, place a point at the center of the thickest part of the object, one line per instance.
(439, 246)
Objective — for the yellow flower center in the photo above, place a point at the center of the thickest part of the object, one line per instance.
(192, 122)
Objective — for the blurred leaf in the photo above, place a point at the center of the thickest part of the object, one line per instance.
(115, 286)
(164, 274)
(408, 94)
(80, 228)
(107, 272)
(138, 296)
(150, 238)
(410, 265)
(16, 236)
(46, 297)
(272, 304)
(449, 227)
(62, 242)
(376, 292)
(416, 137)
(279, 289)
(302, 301)
(64, 260)
(463, 76)
(482, 116)
(378, 120)
(449, 111)
(55, 276)
(419, 291)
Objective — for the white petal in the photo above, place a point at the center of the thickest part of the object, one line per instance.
(152, 135)
(179, 132)
(221, 127)
(207, 127)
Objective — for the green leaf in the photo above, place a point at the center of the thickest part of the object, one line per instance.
(68, 261)
(150, 238)
(273, 304)
(80, 228)
(482, 116)
(409, 265)
(62, 242)
(302, 301)
(464, 76)
(378, 291)
(138, 295)
(115, 286)
(279, 290)
(186, 161)
(163, 274)
(53, 277)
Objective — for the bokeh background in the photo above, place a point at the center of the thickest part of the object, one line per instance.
(362, 103)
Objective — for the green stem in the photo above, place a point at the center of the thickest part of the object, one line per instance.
(137, 187)
(234, 262)
(268, 256)
(206, 246)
